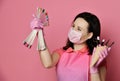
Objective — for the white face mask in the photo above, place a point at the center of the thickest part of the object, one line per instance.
(74, 36)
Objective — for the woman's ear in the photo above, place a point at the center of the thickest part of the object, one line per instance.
(90, 35)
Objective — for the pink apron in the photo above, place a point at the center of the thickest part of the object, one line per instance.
(73, 65)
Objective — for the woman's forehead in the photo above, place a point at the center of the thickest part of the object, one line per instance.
(80, 22)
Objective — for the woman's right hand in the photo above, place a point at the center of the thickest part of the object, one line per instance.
(40, 19)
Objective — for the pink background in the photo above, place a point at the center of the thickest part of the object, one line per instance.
(18, 63)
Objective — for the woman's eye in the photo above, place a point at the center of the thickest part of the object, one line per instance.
(73, 26)
(79, 29)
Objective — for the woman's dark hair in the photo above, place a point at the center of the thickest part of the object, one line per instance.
(94, 26)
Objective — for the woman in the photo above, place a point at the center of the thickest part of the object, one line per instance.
(73, 61)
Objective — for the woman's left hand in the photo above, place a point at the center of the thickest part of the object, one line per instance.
(100, 53)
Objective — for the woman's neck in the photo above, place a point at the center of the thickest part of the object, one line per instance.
(79, 46)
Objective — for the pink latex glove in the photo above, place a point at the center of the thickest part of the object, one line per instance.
(36, 23)
(102, 51)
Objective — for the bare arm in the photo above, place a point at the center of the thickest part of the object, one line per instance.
(99, 76)
(102, 71)
(95, 76)
(48, 60)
